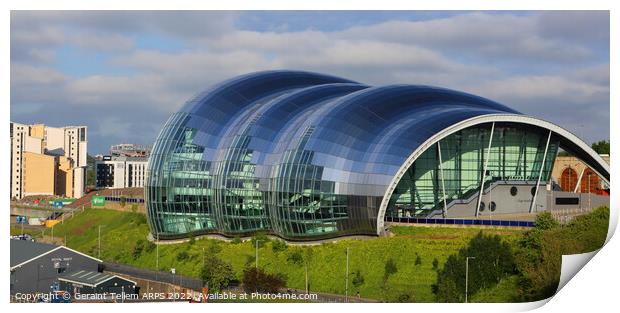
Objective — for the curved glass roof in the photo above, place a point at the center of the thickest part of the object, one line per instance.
(277, 149)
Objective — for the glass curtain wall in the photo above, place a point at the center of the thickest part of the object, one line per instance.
(179, 192)
(516, 154)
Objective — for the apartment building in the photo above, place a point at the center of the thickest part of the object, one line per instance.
(120, 172)
(48, 160)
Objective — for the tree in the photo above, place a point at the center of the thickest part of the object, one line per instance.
(601, 147)
(539, 253)
(255, 279)
(390, 268)
(493, 261)
(216, 273)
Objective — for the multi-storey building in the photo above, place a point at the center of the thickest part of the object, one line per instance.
(120, 172)
(48, 160)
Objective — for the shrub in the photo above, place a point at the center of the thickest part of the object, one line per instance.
(134, 208)
(236, 240)
(255, 279)
(278, 245)
(261, 239)
(138, 248)
(418, 260)
(295, 257)
(182, 256)
(435, 264)
(390, 268)
(357, 280)
(216, 273)
(123, 201)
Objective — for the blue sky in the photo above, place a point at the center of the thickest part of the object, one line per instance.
(122, 73)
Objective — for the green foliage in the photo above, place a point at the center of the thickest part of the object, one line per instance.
(138, 248)
(601, 147)
(545, 221)
(182, 256)
(149, 246)
(295, 257)
(255, 279)
(192, 239)
(236, 240)
(250, 259)
(493, 261)
(216, 273)
(278, 245)
(418, 260)
(539, 253)
(325, 263)
(262, 239)
(134, 208)
(123, 201)
(390, 268)
(435, 264)
(357, 280)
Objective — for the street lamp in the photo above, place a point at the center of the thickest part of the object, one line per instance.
(99, 240)
(256, 241)
(467, 274)
(346, 290)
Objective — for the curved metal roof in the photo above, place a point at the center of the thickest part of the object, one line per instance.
(276, 132)
(360, 134)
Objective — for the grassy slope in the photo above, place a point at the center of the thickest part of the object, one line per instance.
(121, 230)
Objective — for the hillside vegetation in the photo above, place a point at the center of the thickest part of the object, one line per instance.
(399, 268)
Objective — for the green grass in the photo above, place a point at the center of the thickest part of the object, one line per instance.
(326, 270)
(507, 290)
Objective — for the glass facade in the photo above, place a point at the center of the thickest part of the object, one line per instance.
(516, 154)
(309, 156)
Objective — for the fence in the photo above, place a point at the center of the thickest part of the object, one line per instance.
(441, 221)
(179, 280)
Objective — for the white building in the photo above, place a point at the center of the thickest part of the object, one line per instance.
(120, 172)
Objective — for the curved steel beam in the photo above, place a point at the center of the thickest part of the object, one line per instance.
(489, 118)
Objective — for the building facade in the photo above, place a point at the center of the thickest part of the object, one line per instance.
(48, 160)
(120, 172)
(309, 156)
(35, 267)
(573, 175)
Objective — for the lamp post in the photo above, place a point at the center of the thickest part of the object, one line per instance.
(256, 242)
(99, 240)
(346, 286)
(467, 274)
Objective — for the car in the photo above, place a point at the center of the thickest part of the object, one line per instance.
(23, 237)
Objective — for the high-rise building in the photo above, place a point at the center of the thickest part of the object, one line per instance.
(48, 160)
(120, 172)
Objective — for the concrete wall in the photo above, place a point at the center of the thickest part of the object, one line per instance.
(520, 203)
